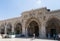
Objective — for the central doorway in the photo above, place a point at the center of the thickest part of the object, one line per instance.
(33, 28)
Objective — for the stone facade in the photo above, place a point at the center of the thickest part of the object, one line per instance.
(45, 20)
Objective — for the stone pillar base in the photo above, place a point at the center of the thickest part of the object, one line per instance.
(0, 37)
(42, 36)
(42, 32)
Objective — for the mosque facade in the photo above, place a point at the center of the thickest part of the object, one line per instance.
(40, 22)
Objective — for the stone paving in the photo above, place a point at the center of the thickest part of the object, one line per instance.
(25, 39)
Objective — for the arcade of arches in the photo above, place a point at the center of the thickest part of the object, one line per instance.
(52, 27)
(40, 22)
(6, 29)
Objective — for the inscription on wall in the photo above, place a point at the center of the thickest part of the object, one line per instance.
(40, 15)
(31, 15)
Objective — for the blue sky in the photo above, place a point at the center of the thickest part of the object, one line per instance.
(14, 8)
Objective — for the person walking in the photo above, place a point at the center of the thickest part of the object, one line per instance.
(54, 36)
(59, 36)
(34, 35)
(48, 35)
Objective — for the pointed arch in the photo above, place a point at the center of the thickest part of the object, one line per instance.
(53, 26)
(33, 28)
(18, 28)
(9, 28)
(37, 25)
(2, 29)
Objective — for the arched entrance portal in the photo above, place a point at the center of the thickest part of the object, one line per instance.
(18, 28)
(33, 28)
(2, 29)
(9, 28)
(53, 27)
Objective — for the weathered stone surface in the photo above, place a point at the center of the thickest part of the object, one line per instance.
(40, 16)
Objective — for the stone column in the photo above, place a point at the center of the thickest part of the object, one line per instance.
(26, 32)
(12, 28)
(23, 29)
(43, 31)
(0, 30)
(5, 29)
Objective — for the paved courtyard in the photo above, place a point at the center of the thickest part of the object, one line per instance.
(24, 39)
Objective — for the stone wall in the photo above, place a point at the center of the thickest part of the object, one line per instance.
(41, 16)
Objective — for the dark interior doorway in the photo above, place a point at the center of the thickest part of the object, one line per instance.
(36, 31)
(52, 32)
(33, 29)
